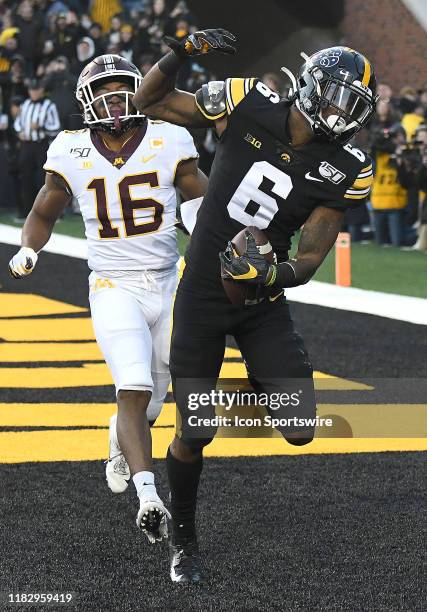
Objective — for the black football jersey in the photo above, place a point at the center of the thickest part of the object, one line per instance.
(259, 179)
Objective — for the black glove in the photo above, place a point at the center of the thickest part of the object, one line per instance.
(202, 42)
(250, 267)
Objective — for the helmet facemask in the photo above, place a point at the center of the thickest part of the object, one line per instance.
(113, 122)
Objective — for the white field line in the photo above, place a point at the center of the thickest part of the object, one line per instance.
(389, 305)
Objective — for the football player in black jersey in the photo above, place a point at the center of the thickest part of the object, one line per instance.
(279, 165)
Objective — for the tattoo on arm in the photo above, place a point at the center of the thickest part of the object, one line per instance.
(317, 238)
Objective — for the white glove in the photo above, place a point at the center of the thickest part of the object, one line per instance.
(23, 262)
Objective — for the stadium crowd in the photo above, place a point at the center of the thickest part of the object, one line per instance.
(44, 44)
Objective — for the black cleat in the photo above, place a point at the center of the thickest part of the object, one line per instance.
(185, 562)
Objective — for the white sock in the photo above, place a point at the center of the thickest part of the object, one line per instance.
(144, 483)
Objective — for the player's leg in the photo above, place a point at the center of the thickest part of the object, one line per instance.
(278, 364)
(161, 338)
(125, 340)
(197, 351)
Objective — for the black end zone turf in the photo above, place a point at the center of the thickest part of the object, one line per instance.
(331, 532)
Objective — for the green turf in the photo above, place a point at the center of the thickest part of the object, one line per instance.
(385, 269)
(69, 225)
(376, 268)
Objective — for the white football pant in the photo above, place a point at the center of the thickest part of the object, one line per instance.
(131, 316)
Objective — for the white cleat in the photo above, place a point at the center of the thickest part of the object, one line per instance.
(117, 470)
(152, 518)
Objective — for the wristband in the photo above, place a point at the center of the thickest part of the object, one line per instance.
(171, 63)
(285, 276)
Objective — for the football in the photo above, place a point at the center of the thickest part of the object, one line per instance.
(240, 293)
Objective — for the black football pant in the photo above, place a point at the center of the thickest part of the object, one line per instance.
(274, 354)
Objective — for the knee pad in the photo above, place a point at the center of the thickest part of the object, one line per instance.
(160, 388)
(134, 377)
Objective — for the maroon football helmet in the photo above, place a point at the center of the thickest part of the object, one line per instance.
(107, 68)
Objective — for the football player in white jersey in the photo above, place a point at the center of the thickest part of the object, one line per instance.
(124, 170)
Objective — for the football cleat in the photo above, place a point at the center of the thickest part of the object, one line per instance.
(152, 518)
(117, 470)
(185, 562)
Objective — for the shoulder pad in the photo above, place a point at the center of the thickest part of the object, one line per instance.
(210, 100)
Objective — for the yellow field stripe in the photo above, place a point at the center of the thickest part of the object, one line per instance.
(24, 351)
(91, 445)
(29, 304)
(69, 415)
(46, 329)
(95, 374)
(365, 420)
(56, 415)
(90, 375)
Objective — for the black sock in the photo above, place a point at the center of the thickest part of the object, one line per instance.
(183, 481)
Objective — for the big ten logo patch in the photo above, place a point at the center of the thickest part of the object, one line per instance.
(156, 143)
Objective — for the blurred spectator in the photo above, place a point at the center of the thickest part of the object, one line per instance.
(95, 32)
(127, 43)
(13, 81)
(113, 36)
(30, 26)
(421, 141)
(384, 92)
(85, 52)
(36, 125)
(389, 195)
(68, 31)
(5, 179)
(60, 86)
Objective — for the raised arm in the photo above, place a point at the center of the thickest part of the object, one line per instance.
(48, 206)
(157, 95)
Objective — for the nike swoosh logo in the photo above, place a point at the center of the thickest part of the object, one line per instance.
(147, 159)
(251, 273)
(312, 178)
(274, 298)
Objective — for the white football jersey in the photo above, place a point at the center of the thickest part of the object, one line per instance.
(127, 198)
